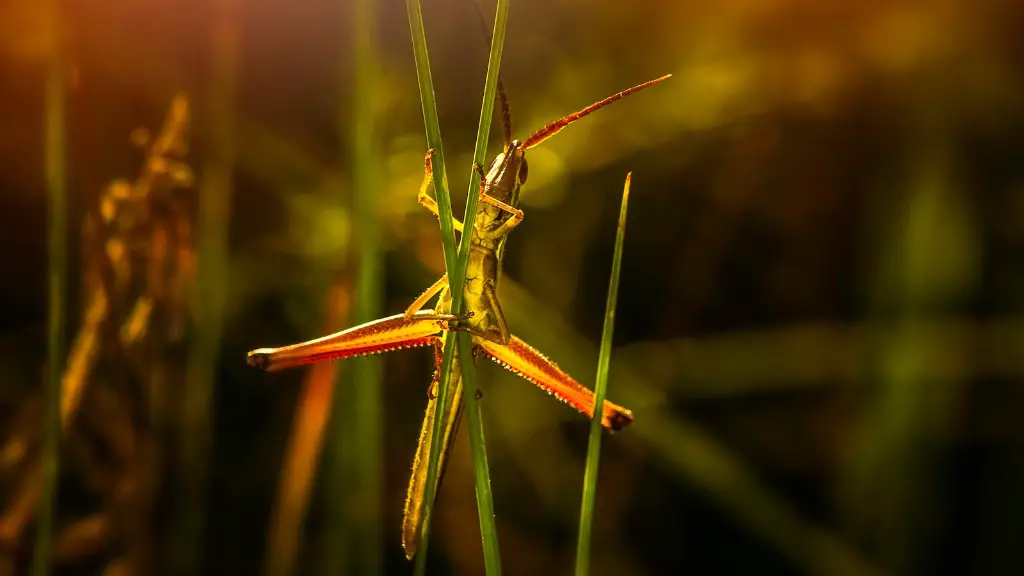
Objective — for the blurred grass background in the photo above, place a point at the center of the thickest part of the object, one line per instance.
(819, 321)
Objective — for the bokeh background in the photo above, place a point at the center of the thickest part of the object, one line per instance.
(819, 326)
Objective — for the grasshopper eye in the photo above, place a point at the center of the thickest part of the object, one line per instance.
(523, 172)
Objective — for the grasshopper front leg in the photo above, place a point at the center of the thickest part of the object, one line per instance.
(517, 214)
(424, 198)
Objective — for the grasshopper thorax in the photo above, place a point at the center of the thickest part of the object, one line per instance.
(507, 173)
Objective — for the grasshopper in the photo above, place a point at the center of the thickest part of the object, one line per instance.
(484, 320)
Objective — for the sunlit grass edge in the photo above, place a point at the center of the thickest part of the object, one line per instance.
(456, 264)
(600, 389)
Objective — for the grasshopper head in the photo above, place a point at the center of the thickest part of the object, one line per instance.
(508, 172)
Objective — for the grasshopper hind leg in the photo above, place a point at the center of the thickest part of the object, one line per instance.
(504, 336)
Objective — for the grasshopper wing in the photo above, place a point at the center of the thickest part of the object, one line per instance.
(416, 496)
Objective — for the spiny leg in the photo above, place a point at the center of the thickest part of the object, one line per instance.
(424, 198)
(429, 293)
(381, 335)
(527, 362)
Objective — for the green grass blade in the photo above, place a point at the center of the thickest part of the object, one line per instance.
(444, 206)
(354, 468)
(210, 292)
(433, 129)
(366, 395)
(56, 184)
(481, 471)
(457, 270)
(484, 127)
(600, 389)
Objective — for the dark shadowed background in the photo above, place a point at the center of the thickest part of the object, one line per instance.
(820, 328)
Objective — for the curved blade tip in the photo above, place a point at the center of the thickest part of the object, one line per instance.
(259, 358)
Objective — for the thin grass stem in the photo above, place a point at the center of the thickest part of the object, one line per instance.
(600, 390)
(444, 205)
(456, 275)
(355, 470)
(481, 470)
(56, 185)
(212, 266)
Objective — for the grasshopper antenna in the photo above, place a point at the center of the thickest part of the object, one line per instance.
(556, 126)
(506, 113)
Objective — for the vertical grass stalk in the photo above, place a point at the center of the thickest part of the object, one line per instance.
(56, 186)
(481, 471)
(211, 285)
(444, 205)
(600, 390)
(456, 274)
(354, 468)
(425, 84)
